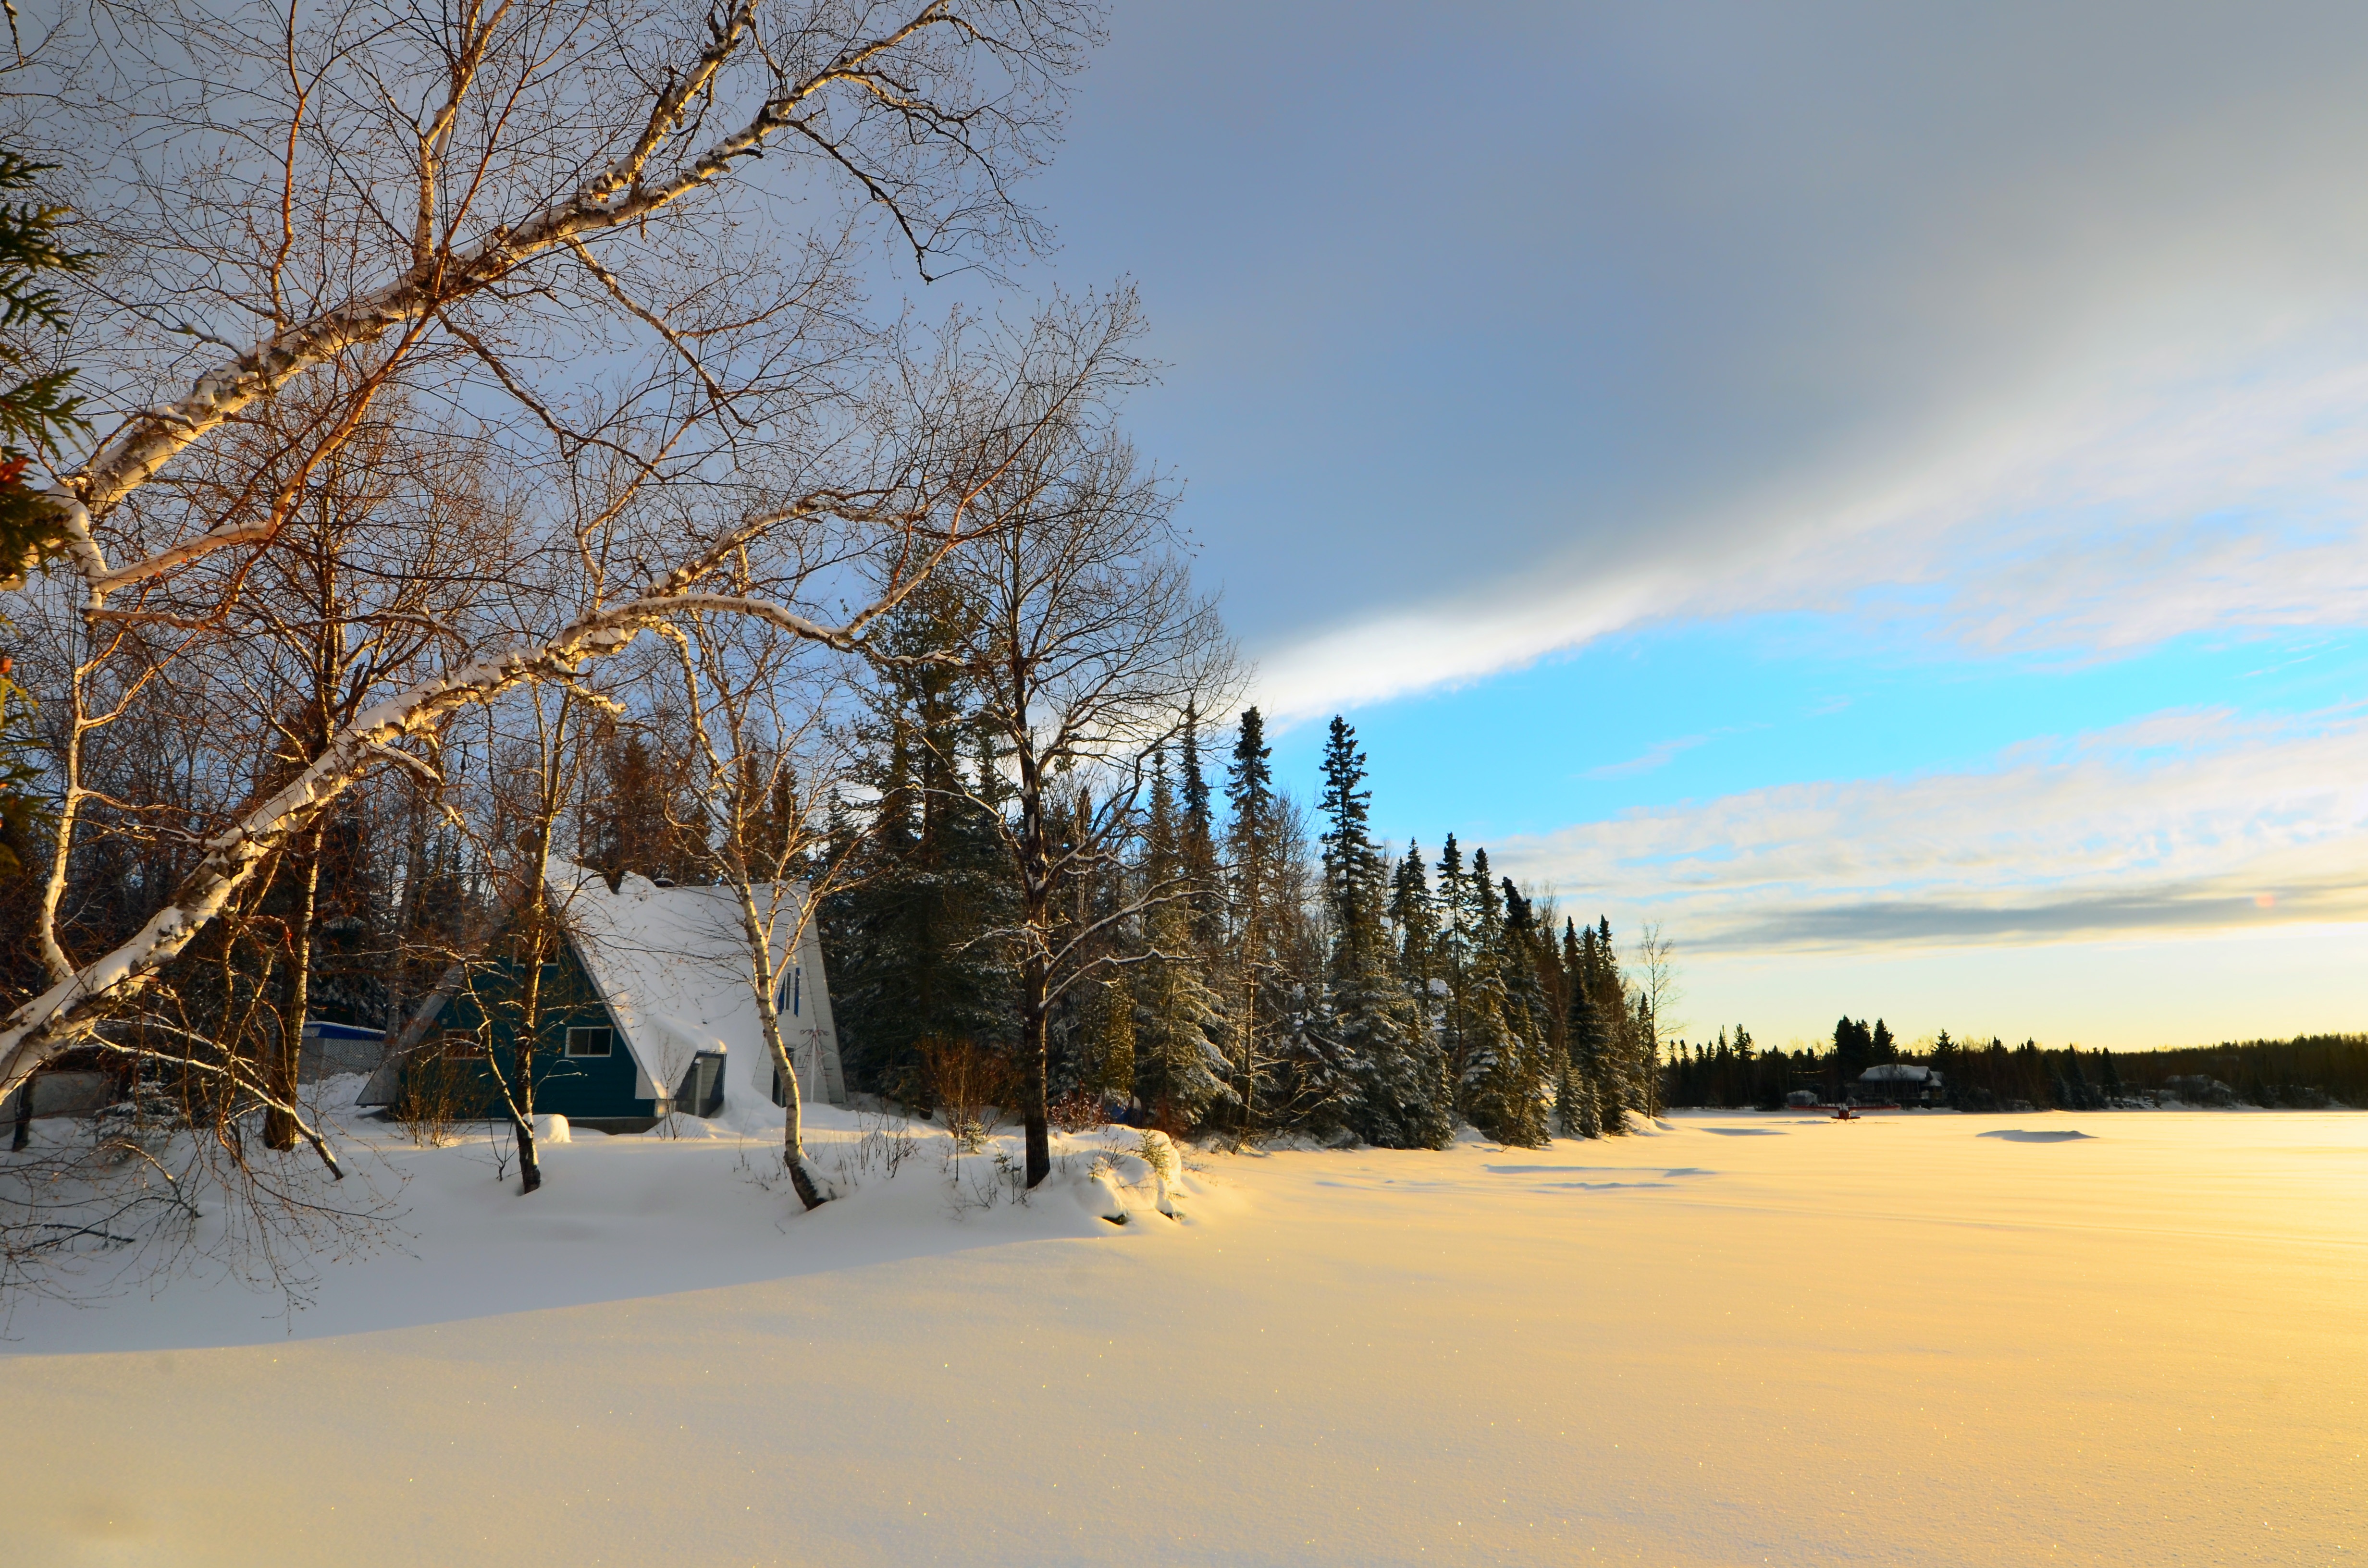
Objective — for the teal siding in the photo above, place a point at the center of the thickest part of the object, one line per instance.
(589, 1087)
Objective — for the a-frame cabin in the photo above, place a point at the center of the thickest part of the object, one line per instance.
(648, 1008)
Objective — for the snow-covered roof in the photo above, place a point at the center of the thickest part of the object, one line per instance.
(1897, 1072)
(673, 966)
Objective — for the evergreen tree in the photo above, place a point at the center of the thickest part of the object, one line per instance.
(1110, 1067)
(2077, 1096)
(1853, 1053)
(1619, 1075)
(1416, 920)
(1198, 839)
(1448, 961)
(1526, 1080)
(1589, 1035)
(1369, 1016)
(642, 819)
(39, 410)
(1261, 1010)
(1498, 1090)
(1177, 1018)
(910, 938)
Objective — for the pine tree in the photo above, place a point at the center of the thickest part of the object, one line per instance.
(2076, 1083)
(642, 819)
(1369, 1015)
(1416, 920)
(1622, 1081)
(1198, 839)
(1257, 1001)
(1177, 1018)
(39, 410)
(1451, 949)
(1495, 1091)
(1853, 1053)
(913, 959)
(1523, 1089)
(1110, 1068)
(1581, 1092)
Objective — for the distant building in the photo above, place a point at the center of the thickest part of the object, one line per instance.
(1899, 1082)
(2199, 1088)
(332, 1047)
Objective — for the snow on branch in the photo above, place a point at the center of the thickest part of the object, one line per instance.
(626, 192)
(70, 1009)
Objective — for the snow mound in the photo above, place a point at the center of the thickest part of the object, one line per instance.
(681, 1124)
(2021, 1135)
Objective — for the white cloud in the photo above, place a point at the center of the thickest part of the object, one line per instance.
(2182, 822)
(2215, 490)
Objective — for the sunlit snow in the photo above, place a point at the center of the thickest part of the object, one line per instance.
(1909, 1340)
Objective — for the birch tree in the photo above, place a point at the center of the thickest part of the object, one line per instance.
(1088, 642)
(751, 704)
(617, 240)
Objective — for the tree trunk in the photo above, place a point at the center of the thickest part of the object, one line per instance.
(523, 1044)
(281, 1067)
(530, 1169)
(1035, 1061)
(793, 1101)
(793, 1152)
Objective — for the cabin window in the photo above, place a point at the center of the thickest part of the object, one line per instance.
(599, 1041)
(792, 988)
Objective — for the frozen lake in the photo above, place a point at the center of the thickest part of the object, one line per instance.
(1743, 1339)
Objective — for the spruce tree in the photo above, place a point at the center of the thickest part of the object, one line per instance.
(1369, 1016)
(1198, 838)
(1854, 1053)
(1109, 1066)
(1494, 1090)
(1628, 1045)
(1416, 920)
(642, 818)
(37, 410)
(914, 958)
(1259, 1008)
(1451, 947)
(1177, 1018)
(1581, 1091)
(1525, 1083)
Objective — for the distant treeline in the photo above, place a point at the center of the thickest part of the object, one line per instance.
(2307, 1071)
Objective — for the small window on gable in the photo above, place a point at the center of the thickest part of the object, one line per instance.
(599, 1041)
(792, 990)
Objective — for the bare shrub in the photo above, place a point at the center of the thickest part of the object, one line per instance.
(970, 1086)
(1079, 1110)
(441, 1086)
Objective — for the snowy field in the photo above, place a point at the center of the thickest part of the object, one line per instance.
(2127, 1338)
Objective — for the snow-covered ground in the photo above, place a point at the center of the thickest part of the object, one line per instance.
(1745, 1339)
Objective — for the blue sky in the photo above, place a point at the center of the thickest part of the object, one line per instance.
(1876, 489)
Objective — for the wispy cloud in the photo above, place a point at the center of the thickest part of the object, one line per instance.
(1655, 756)
(2182, 822)
(2170, 498)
